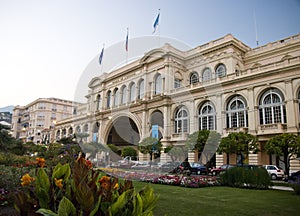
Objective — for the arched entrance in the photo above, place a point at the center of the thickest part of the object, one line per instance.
(157, 122)
(124, 132)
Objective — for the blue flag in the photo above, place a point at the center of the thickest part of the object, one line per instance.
(101, 56)
(126, 45)
(155, 24)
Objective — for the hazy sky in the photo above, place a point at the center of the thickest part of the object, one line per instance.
(45, 45)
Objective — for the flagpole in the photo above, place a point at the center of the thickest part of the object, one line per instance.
(256, 37)
(159, 31)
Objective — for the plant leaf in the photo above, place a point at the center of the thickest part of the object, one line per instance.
(66, 207)
(46, 212)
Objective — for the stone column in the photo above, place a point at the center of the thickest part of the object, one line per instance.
(219, 111)
(219, 159)
(291, 112)
(252, 112)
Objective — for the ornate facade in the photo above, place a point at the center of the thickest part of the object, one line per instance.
(223, 85)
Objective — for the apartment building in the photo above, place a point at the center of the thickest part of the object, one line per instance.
(34, 121)
(223, 85)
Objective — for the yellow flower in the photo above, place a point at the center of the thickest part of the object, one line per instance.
(116, 186)
(26, 179)
(58, 183)
(40, 162)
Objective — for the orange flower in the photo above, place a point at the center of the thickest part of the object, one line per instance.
(40, 162)
(26, 179)
(105, 183)
(58, 183)
(89, 164)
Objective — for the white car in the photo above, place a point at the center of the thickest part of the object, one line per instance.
(274, 172)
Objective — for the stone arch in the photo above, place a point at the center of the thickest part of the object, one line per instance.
(126, 127)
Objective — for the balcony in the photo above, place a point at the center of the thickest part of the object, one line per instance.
(180, 136)
(271, 128)
(236, 129)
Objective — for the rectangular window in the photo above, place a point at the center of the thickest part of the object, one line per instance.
(277, 114)
(177, 83)
(41, 106)
(241, 119)
(268, 115)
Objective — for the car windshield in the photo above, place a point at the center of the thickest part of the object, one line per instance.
(196, 165)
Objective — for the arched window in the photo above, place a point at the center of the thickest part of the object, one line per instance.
(299, 102)
(98, 102)
(108, 104)
(116, 97)
(86, 131)
(132, 92)
(206, 75)
(78, 129)
(124, 95)
(272, 107)
(181, 120)
(158, 85)
(220, 70)
(194, 78)
(236, 113)
(58, 135)
(207, 117)
(141, 89)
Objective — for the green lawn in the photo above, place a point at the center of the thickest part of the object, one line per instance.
(223, 201)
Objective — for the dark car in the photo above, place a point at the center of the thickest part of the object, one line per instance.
(198, 169)
(183, 168)
(217, 171)
(294, 176)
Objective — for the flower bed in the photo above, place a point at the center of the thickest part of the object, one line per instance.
(168, 179)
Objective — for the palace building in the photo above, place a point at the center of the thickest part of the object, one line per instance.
(223, 85)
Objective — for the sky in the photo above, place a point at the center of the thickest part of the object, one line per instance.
(46, 46)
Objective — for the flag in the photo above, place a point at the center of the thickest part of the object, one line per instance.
(126, 44)
(155, 24)
(101, 56)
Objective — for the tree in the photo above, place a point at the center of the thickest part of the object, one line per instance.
(239, 143)
(150, 145)
(129, 151)
(115, 149)
(205, 142)
(286, 146)
(10, 144)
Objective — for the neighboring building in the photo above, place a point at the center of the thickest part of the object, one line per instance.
(6, 117)
(34, 121)
(223, 85)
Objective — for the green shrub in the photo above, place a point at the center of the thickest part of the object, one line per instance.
(129, 151)
(9, 159)
(244, 177)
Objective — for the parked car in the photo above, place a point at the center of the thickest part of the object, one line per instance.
(183, 168)
(294, 176)
(198, 169)
(274, 171)
(217, 171)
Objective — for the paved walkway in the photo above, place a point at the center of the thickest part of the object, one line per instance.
(282, 188)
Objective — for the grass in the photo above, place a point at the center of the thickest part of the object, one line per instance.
(223, 201)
